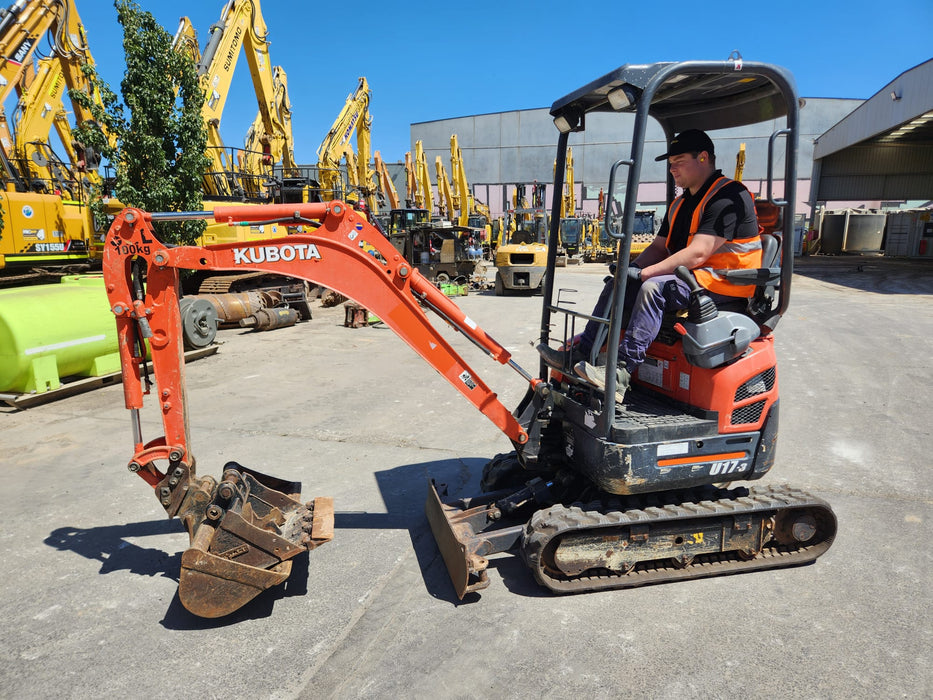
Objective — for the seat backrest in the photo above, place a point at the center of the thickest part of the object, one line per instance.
(770, 250)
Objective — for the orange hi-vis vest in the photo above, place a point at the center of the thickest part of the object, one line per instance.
(737, 254)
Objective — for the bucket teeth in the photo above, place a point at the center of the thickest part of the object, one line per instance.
(322, 522)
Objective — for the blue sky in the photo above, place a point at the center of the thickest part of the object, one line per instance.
(435, 60)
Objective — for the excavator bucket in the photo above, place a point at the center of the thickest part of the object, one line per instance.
(244, 532)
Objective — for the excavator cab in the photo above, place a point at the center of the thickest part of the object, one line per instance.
(704, 406)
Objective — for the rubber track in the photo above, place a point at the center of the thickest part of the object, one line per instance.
(555, 521)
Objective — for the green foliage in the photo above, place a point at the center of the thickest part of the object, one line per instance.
(159, 150)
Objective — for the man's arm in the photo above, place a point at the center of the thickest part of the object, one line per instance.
(694, 255)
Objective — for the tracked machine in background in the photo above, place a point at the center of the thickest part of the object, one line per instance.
(595, 494)
(46, 226)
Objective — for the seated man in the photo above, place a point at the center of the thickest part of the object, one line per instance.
(711, 226)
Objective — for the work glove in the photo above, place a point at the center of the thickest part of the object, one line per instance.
(634, 273)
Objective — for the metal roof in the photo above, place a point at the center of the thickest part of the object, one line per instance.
(704, 95)
(900, 112)
(884, 149)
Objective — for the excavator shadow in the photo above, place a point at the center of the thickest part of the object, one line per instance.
(109, 545)
(402, 490)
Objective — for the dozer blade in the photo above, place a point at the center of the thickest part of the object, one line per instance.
(466, 530)
(243, 533)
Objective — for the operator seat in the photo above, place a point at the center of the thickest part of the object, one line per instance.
(714, 334)
(766, 279)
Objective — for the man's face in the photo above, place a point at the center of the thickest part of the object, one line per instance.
(688, 170)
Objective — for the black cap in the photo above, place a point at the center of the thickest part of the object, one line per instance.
(689, 141)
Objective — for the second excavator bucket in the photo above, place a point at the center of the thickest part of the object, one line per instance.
(244, 532)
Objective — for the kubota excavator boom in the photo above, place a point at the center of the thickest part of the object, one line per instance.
(246, 527)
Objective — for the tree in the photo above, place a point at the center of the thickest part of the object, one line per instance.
(159, 152)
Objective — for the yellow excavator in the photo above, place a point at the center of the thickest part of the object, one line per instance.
(47, 227)
(445, 194)
(241, 25)
(424, 191)
(472, 213)
(353, 119)
(264, 171)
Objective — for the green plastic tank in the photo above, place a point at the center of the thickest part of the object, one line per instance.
(52, 331)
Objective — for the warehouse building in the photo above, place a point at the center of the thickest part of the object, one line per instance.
(858, 155)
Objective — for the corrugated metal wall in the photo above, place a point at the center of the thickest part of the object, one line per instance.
(879, 171)
(512, 147)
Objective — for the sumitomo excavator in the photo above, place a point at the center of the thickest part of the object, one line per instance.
(595, 493)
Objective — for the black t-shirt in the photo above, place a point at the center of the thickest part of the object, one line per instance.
(729, 214)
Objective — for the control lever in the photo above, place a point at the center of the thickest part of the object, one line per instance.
(701, 308)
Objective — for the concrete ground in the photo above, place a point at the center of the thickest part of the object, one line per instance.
(88, 598)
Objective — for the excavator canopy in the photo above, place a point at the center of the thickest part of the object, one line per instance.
(689, 95)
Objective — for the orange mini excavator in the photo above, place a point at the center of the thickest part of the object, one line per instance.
(595, 493)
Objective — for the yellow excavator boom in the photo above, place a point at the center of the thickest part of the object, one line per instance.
(241, 25)
(335, 145)
(739, 163)
(424, 196)
(444, 193)
(411, 182)
(385, 182)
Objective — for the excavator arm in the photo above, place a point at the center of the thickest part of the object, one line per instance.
(569, 200)
(365, 174)
(39, 106)
(241, 25)
(385, 181)
(411, 182)
(22, 25)
(263, 149)
(444, 192)
(424, 193)
(185, 40)
(462, 198)
(353, 118)
(244, 529)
